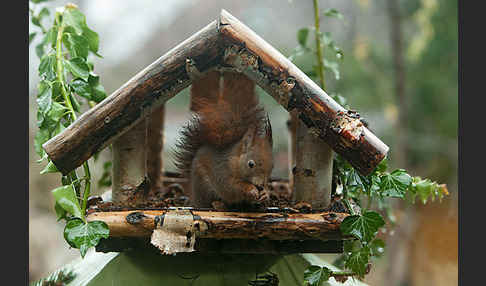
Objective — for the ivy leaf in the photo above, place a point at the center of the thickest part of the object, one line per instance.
(382, 166)
(50, 168)
(66, 197)
(76, 45)
(81, 88)
(377, 247)
(363, 227)
(74, 18)
(358, 261)
(333, 13)
(53, 117)
(78, 67)
(32, 36)
(92, 39)
(333, 66)
(315, 275)
(302, 36)
(47, 67)
(395, 184)
(44, 97)
(355, 181)
(85, 235)
(98, 91)
(60, 212)
(40, 138)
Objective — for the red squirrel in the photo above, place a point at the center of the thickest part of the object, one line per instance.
(226, 147)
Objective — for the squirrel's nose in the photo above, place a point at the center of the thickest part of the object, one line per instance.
(259, 187)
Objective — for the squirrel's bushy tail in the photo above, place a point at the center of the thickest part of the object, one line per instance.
(223, 111)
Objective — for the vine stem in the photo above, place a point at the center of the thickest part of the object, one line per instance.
(319, 49)
(67, 100)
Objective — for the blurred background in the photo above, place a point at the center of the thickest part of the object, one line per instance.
(399, 70)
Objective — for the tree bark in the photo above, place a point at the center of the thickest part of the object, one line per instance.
(231, 225)
(155, 144)
(130, 167)
(313, 169)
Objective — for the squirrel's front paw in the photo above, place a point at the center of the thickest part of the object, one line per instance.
(264, 195)
(252, 194)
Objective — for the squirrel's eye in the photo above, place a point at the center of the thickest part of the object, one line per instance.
(251, 163)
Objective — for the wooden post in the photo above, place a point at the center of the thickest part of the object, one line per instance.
(313, 169)
(155, 145)
(292, 148)
(130, 184)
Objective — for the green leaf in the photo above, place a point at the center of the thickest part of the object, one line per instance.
(32, 36)
(44, 97)
(93, 40)
(66, 197)
(382, 166)
(355, 181)
(81, 88)
(377, 247)
(74, 18)
(60, 212)
(78, 67)
(38, 1)
(315, 275)
(50, 168)
(395, 184)
(40, 138)
(76, 45)
(74, 102)
(302, 36)
(333, 13)
(358, 261)
(333, 66)
(53, 117)
(47, 67)
(85, 235)
(363, 227)
(98, 91)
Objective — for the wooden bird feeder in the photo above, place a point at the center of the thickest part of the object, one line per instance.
(132, 120)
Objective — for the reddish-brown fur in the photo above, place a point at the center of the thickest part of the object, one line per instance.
(227, 131)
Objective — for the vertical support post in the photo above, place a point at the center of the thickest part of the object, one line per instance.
(292, 148)
(313, 170)
(130, 166)
(155, 145)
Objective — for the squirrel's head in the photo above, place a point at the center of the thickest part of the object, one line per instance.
(256, 159)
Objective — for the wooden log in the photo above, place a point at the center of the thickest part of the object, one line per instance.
(226, 246)
(339, 128)
(155, 145)
(231, 225)
(313, 169)
(130, 166)
(127, 106)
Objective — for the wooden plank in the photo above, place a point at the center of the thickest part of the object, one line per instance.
(231, 225)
